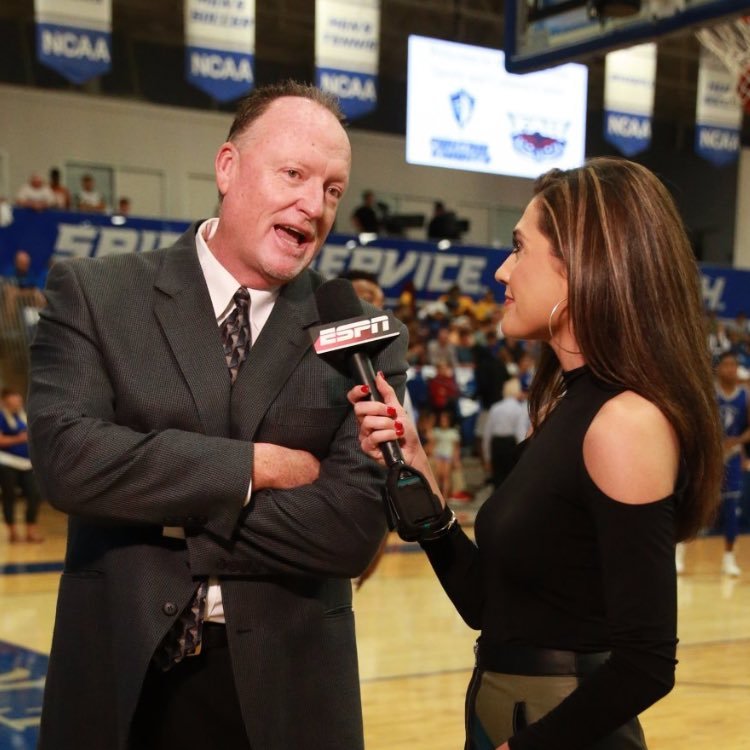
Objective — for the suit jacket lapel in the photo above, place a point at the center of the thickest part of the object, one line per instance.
(273, 357)
(187, 318)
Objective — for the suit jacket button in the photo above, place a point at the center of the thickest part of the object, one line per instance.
(169, 608)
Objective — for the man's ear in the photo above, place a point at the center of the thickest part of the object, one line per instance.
(225, 165)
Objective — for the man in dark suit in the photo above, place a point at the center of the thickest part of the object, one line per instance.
(184, 474)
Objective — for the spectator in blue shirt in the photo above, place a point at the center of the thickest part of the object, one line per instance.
(15, 467)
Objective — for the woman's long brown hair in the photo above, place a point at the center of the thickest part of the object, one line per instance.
(635, 305)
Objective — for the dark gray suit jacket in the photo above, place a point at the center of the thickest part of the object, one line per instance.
(134, 426)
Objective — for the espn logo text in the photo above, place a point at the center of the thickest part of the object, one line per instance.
(353, 332)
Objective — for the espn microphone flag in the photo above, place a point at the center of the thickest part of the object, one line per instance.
(74, 37)
(351, 332)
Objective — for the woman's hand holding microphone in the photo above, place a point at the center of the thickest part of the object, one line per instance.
(383, 421)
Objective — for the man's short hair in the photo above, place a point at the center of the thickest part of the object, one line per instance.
(258, 100)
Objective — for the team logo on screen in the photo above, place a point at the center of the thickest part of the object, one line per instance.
(462, 103)
(537, 137)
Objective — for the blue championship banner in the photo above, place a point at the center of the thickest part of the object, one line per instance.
(220, 47)
(718, 114)
(347, 38)
(396, 262)
(73, 37)
(629, 77)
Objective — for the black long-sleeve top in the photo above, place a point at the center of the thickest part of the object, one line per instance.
(558, 564)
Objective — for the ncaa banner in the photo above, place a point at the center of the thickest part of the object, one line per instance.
(220, 47)
(718, 114)
(73, 37)
(629, 76)
(347, 34)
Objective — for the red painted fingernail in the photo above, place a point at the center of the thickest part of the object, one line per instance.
(365, 389)
(391, 412)
(399, 428)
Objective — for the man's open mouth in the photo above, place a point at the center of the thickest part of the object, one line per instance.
(297, 235)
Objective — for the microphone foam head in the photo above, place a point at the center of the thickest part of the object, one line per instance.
(337, 300)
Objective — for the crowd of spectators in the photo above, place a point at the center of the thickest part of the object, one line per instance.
(39, 195)
(463, 366)
(730, 336)
(459, 363)
(468, 382)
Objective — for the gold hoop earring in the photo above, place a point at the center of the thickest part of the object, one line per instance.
(552, 314)
(549, 327)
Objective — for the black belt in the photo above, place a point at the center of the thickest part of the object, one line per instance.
(213, 635)
(507, 658)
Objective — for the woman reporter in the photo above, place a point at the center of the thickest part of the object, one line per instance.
(572, 579)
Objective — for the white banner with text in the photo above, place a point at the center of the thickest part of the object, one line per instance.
(220, 47)
(347, 38)
(629, 78)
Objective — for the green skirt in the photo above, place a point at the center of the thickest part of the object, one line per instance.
(499, 705)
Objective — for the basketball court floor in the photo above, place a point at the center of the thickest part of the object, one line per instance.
(416, 653)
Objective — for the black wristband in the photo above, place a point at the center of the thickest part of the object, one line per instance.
(411, 507)
(450, 521)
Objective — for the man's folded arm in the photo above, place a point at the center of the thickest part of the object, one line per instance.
(90, 466)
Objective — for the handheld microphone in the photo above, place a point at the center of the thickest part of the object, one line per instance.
(347, 336)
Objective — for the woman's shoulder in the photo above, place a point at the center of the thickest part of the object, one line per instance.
(632, 410)
(631, 450)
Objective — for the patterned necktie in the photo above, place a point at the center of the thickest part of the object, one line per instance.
(184, 637)
(235, 332)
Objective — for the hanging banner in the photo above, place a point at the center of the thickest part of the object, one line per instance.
(718, 113)
(220, 47)
(629, 76)
(347, 34)
(73, 37)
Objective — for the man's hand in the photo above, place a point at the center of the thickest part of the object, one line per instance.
(279, 468)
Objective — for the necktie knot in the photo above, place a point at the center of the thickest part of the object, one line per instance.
(242, 298)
